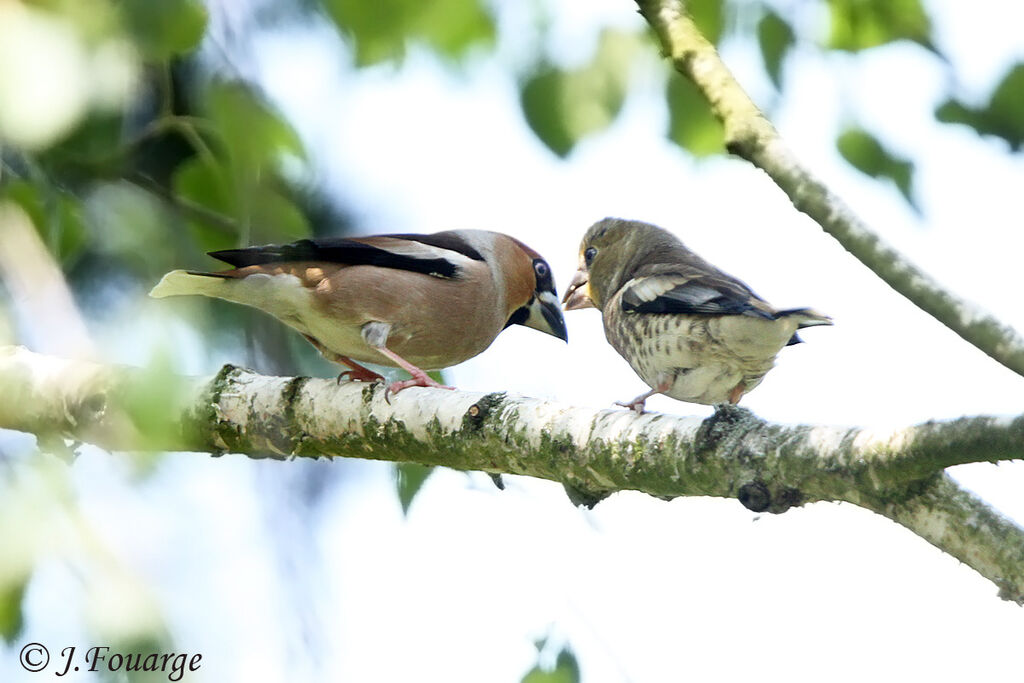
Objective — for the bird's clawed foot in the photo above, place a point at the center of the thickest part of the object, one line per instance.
(419, 379)
(637, 404)
(360, 375)
(357, 373)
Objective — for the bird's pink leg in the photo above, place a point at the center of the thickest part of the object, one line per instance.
(358, 373)
(637, 404)
(419, 378)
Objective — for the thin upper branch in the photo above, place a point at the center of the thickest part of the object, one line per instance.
(768, 467)
(956, 521)
(751, 136)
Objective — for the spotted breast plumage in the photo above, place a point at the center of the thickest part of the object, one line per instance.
(689, 330)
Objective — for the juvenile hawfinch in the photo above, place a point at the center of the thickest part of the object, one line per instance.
(689, 330)
(411, 301)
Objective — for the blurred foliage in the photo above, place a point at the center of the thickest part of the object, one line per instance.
(710, 17)
(691, 125)
(1002, 116)
(862, 24)
(775, 37)
(58, 217)
(43, 525)
(865, 153)
(166, 28)
(11, 616)
(130, 157)
(409, 479)
(235, 172)
(382, 30)
(564, 669)
(562, 106)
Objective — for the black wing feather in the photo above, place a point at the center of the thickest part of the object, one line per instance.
(694, 298)
(341, 250)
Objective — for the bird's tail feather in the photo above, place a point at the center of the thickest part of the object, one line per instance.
(185, 282)
(807, 317)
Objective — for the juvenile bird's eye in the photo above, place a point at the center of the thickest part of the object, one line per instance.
(541, 269)
(589, 254)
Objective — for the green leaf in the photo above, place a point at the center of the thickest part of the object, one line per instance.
(56, 215)
(567, 670)
(128, 223)
(377, 29)
(12, 617)
(240, 181)
(865, 153)
(253, 133)
(691, 123)
(562, 107)
(207, 235)
(165, 28)
(708, 16)
(68, 235)
(453, 26)
(276, 218)
(1003, 116)
(94, 148)
(263, 207)
(380, 30)
(207, 184)
(775, 37)
(409, 479)
(146, 398)
(861, 24)
(542, 99)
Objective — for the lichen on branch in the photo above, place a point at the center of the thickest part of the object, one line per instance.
(734, 454)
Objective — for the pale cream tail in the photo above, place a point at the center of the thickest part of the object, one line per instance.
(182, 282)
(282, 296)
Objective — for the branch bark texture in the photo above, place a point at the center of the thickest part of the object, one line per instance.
(750, 135)
(768, 467)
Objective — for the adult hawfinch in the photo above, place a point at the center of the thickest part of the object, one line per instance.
(689, 330)
(411, 301)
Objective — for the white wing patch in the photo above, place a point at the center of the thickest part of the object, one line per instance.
(650, 288)
(419, 250)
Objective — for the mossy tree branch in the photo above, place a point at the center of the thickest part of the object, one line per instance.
(750, 135)
(768, 467)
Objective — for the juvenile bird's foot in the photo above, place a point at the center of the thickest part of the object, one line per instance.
(637, 404)
(419, 379)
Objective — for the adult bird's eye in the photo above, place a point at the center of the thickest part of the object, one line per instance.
(541, 269)
(589, 254)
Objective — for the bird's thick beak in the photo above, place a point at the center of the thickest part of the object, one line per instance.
(544, 314)
(578, 294)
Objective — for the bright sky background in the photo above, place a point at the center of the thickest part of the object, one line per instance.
(642, 590)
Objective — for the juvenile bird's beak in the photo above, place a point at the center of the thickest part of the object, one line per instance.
(543, 314)
(578, 294)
